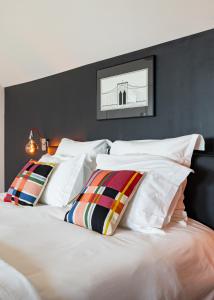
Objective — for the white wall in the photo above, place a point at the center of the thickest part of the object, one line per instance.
(1, 139)
(40, 38)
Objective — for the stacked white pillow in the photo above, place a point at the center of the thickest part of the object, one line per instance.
(66, 180)
(68, 147)
(150, 205)
(75, 163)
(177, 211)
(178, 150)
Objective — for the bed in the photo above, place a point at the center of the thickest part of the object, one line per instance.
(64, 261)
(44, 257)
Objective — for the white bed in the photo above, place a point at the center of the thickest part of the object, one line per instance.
(64, 261)
(14, 285)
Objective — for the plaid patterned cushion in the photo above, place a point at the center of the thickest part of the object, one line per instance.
(103, 200)
(29, 183)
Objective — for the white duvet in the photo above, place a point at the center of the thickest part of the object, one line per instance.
(64, 261)
(13, 285)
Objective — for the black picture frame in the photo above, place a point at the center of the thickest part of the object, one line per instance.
(147, 64)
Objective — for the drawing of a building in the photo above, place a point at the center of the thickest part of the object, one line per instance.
(122, 90)
(124, 95)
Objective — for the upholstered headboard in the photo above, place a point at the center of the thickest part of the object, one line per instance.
(200, 189)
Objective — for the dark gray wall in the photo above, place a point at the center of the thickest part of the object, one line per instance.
(64, 105)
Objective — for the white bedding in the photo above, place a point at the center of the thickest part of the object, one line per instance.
(64, 261)
(13, 285)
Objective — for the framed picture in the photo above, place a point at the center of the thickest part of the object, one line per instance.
(126, 90)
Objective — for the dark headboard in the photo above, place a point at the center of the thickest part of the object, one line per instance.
(200, 189)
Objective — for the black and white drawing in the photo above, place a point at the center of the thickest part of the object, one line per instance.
(126, 90)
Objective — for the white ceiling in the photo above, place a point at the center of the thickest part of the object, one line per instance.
(43, 37)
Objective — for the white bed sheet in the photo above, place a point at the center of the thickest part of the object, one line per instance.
(64, 261)
(15, 286)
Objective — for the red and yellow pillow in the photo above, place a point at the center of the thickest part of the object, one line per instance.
(103, 200)
(29, 184)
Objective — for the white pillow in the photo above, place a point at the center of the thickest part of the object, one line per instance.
(177, 205)
(66, 180)
(150, 205)
(69, 147)
(179, 149)
(72, 148)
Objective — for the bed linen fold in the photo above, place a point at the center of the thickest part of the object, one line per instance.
(13, 285)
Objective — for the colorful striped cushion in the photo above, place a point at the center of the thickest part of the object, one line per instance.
(103, 200)
(28, 185)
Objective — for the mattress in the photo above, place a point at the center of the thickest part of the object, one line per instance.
(64, 261)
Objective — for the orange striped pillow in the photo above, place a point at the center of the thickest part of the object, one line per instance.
(29, 184)
(103, 200)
